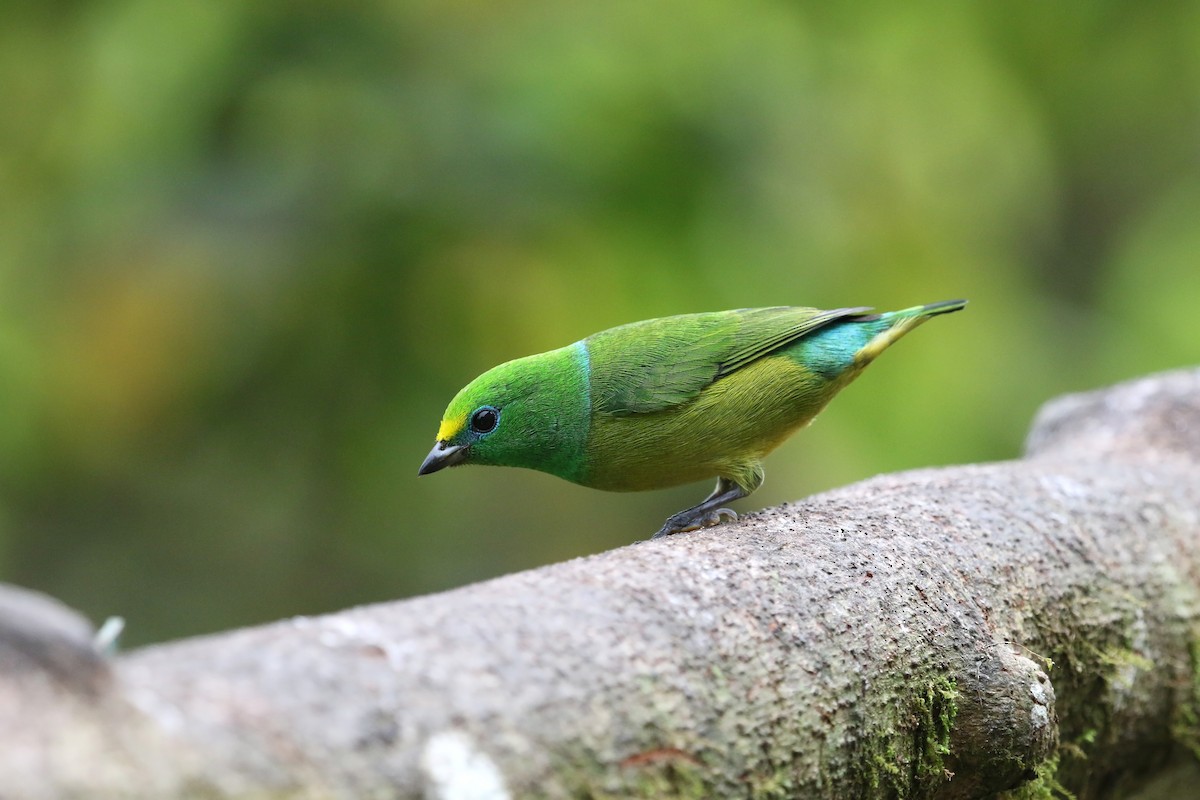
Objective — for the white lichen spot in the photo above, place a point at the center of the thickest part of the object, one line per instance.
(338, 630)
(1039, 715)
(455, 769)
(168, 715)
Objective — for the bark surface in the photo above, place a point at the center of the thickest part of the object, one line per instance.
(1022, 626)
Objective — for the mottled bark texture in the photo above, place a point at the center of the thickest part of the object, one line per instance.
(1022, 626)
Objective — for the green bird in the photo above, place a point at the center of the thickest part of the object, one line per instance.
(669, 401)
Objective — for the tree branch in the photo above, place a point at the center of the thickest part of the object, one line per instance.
(938, 633)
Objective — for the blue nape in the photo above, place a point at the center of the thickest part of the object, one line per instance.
(830, 350)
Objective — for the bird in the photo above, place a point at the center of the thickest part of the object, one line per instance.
(669, 401)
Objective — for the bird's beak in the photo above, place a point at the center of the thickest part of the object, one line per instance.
(441, 456)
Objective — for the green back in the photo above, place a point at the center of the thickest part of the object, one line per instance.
(662, 363)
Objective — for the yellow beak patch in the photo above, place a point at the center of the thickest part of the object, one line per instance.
(451, 427)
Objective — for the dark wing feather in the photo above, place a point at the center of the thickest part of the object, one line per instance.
(662, 363)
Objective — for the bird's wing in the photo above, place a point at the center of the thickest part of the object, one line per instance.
(661, 363)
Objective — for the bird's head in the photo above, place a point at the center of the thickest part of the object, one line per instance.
(512, 415)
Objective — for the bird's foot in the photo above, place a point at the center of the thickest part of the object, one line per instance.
(694, 519)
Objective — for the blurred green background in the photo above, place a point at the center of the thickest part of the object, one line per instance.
(248, 251)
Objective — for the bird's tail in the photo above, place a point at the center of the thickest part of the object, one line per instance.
(897, 323)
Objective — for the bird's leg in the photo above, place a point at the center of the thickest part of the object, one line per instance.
(707, 513)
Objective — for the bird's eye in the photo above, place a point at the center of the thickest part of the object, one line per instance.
(485, 419)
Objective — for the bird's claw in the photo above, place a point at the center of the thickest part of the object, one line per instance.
(719, 515)
(692, 519)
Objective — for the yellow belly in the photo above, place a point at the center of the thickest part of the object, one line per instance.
(727, 428)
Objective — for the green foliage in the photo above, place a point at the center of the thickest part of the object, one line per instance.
(249, 251)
